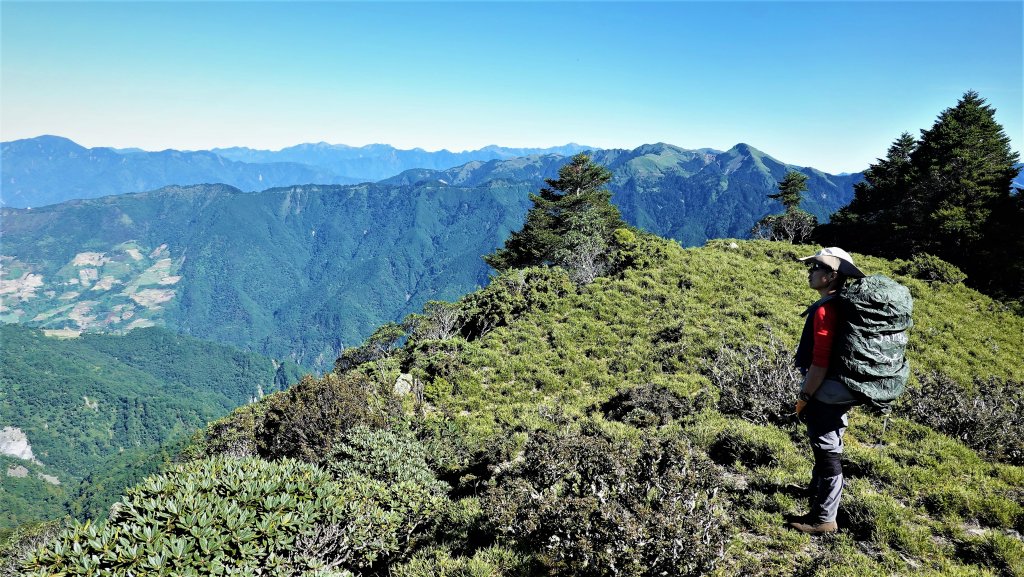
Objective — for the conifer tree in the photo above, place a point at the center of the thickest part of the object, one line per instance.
(571, 223)
(791, 189)
(948, 194)
(871, 222)
(794, 224)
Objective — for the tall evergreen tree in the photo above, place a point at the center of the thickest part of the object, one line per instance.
(967, 170)
(948, 194)
(794, 224)
(872, 222)
(571, 223)
(791, 189)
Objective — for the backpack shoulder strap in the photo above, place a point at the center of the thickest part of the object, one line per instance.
(818, 303)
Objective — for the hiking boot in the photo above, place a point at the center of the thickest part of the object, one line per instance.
(794, 518)
(815, 528)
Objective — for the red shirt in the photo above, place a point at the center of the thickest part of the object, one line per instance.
(825, 320)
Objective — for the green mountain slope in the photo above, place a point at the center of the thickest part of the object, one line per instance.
(302, 272)
(638, 425)
(90, 407)
(295, 272)
(688, 195)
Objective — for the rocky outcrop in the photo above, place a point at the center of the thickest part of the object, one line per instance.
(13, 442)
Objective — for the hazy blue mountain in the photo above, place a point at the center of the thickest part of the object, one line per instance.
(50, 169)
(378, 161)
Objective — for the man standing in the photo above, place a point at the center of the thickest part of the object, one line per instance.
(824, 401)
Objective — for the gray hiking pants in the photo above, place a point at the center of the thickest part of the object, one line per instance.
(825, 427)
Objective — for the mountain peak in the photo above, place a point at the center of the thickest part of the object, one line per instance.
(48, 142)
(745, 149)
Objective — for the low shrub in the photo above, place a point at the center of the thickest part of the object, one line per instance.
(756, 383)
(395, 460)
(752, 447)
(931, 268)
(649, 405)
(510, 294)
(305, 421)
(489, 562)
(988, 418)
(232, 436)
(18, 543)
(593, 505)
(239, 516)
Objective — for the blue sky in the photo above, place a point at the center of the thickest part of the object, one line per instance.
(823, 84)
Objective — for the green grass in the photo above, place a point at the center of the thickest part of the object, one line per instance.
(917, 503)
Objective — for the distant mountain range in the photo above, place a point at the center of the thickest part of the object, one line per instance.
(378, 161)
(299, 272)
(51, 169)
(688, 195)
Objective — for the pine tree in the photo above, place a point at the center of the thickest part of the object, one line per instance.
(570, 224)
(791, 189)
(947, 194)
(794, 224)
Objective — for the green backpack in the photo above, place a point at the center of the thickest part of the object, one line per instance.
(871, 359)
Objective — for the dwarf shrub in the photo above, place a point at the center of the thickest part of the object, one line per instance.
(240, 516)
(931, 268)
(397, 462)
(988, 418)
(512, 293)
(648, 405)
(306, 420)
(20, 542)
(756, 383)
(443, 562)
(594, 505)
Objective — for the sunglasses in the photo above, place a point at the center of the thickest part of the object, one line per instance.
(819, 266)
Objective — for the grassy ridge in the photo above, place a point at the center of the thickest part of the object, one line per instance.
(541, 393)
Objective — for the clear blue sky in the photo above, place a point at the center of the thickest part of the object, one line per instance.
(823, 84)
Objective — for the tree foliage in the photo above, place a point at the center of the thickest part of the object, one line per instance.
(791, 189)
(571, 223)
(947, 193)
(794, 224)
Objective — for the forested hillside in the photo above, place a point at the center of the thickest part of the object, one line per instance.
(100, 408)
(637, 425)
(302, 272)
(688, 195)
(294, 273)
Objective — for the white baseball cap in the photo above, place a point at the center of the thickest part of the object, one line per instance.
(836, 259)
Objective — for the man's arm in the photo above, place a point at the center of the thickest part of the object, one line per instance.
(813, 380)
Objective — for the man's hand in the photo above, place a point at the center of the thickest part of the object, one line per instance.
(800, 406)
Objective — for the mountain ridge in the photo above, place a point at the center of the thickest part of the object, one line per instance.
(51, 169)
(325, 264)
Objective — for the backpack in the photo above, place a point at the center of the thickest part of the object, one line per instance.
(871, 354)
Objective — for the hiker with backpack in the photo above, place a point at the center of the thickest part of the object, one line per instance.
(851, 352)
(823, 401)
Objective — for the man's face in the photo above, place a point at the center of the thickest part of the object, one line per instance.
(819, 276)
